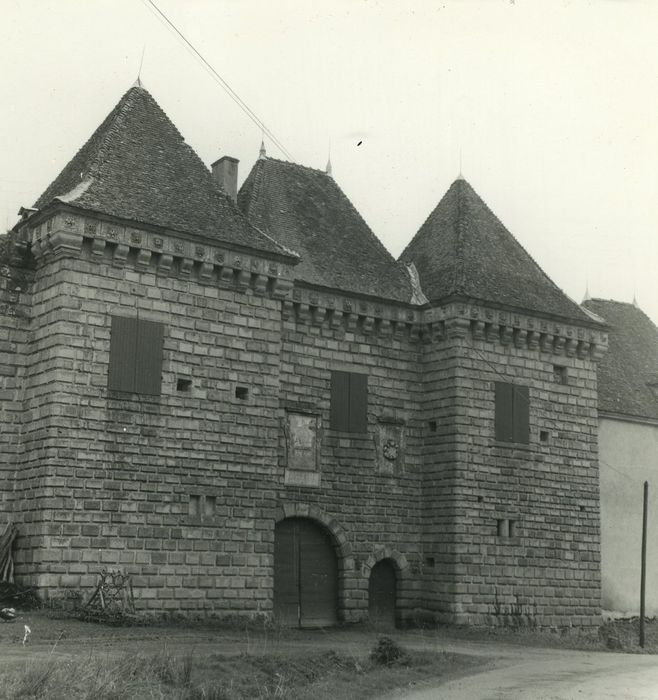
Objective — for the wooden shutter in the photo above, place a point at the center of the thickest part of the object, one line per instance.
(504, 412)
(340, 392)
(521, 402)
(123, 349)
(358, 411)
(148, 365)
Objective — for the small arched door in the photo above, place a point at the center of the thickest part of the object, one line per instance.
(382, 593)
(305, 574)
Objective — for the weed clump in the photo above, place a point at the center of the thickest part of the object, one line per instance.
(387, 652)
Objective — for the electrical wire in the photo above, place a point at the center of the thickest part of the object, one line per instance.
(218, 78)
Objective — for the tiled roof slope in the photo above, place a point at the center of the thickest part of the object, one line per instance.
(137, 166)
(304, 209)
(463, 249)
(631, 362)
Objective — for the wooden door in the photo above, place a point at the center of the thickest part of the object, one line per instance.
(382, 593)
(305, 574)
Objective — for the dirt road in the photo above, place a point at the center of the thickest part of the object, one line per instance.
(546, 674)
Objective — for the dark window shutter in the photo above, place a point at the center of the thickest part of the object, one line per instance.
(521, 414)
(340, 390)
(504, 412)
(358, 422)
(123, 349)
(148, 369)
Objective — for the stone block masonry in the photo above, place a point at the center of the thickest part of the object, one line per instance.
(183, 489)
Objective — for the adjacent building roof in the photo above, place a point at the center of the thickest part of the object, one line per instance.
(628, 372)
(305, 210)
(464, 250)
(137, 166)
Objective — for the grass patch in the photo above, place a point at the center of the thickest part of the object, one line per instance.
(321, 675)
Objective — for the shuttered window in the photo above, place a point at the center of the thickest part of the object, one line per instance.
(349, 402)
(512, 413)
(135, 356)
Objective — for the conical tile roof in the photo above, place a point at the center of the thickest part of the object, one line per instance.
(137, 166)
(464, 250)
(305, 210)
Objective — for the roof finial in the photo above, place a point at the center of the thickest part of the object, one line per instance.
(138, 82)
(587, 296)
(635, 304)
(262, 154)
(460, 176)
(328, 168)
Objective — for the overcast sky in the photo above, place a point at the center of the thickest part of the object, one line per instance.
(553, 107)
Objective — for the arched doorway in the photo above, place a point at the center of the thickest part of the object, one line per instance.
(305, 574)
(382, 593)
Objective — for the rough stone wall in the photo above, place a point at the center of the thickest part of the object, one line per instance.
(373, 500)
(548, 572)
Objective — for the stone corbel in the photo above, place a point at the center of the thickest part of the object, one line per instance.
(165, 262)
(558, 345)
(570, 347)
(185, 268)
(98, 247)
(385, 327)
(260, 284)
(546, 342)
(303, 313)
(319, 314)
(368, 324)
(243, 279)
(457, 327)
(65, 243)
(226, 275)
(206, 271)
(143, 259)
(477, 329)
(520, 338)
(351, 321)
(506, 333)
(120, 255)
(583, 349)
(281, 287)
(533, 340)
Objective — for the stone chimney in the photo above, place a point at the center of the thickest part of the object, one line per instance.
(225, 174)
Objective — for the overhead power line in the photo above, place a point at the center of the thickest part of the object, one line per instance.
(218, 78)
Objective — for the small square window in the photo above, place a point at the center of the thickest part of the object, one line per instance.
(195, 505)
(429, 562)
(560, 375)
(543, 435)
(241, 392)
(432, 426)
(183, 384)
(209, 506)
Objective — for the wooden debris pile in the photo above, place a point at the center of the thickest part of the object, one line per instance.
(113, 598)
(6, 559)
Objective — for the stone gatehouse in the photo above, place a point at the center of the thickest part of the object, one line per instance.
(245, 402)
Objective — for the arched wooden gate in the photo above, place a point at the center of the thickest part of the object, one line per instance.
(305, 574)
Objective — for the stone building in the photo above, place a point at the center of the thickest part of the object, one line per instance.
(245, 402)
